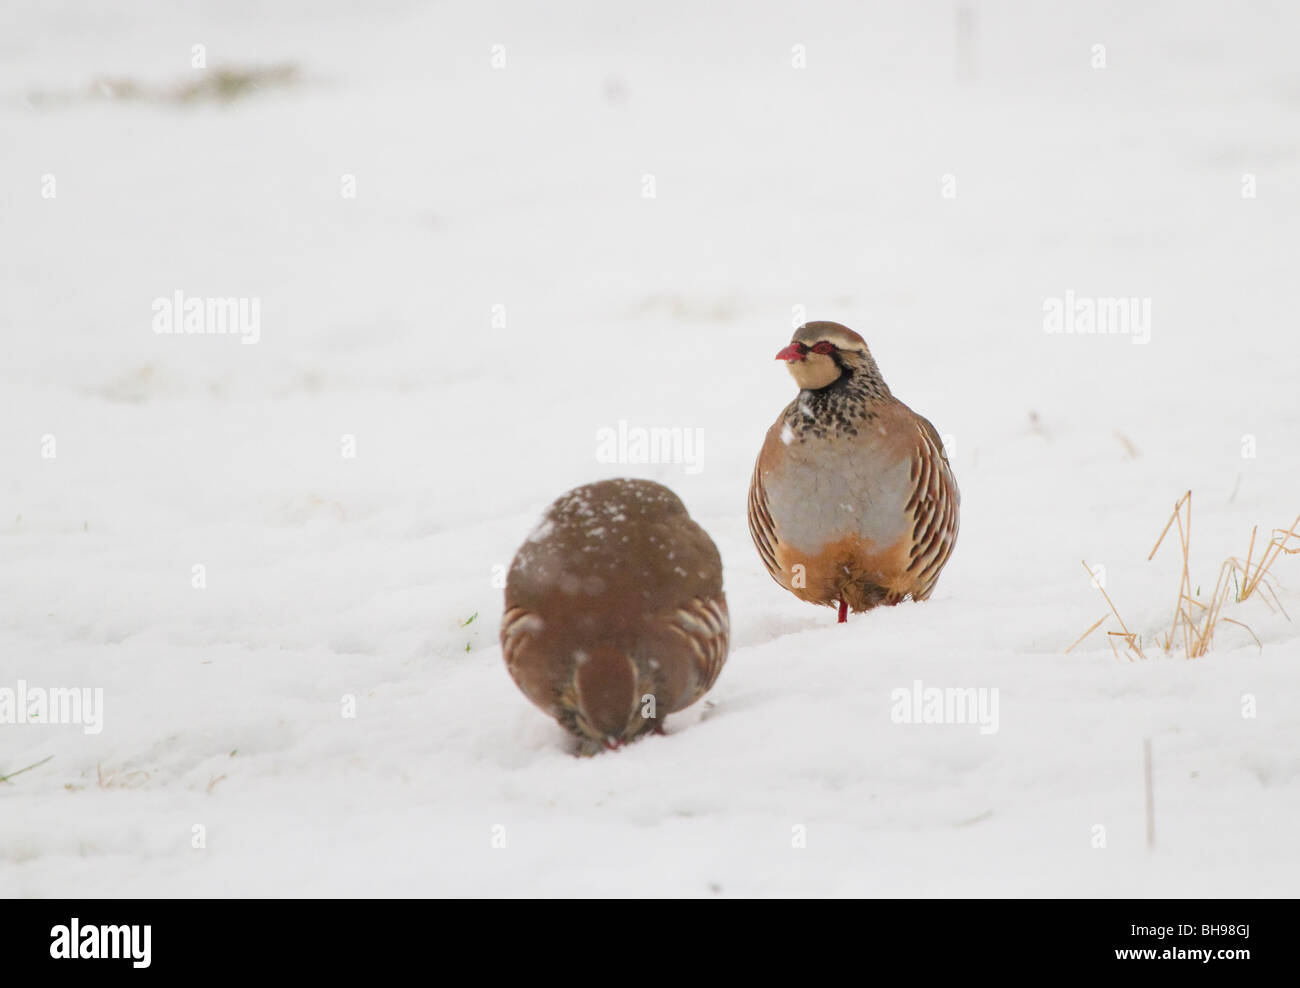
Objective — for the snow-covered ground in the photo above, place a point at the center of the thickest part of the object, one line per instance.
(501, 288)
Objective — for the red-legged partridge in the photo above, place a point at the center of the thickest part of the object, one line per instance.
(614, 612)
(852, 499)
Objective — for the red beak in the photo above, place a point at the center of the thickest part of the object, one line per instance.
(790, 353)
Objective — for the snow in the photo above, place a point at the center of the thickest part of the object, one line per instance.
(516, 194)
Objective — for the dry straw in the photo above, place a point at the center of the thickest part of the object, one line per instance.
(1195, 621)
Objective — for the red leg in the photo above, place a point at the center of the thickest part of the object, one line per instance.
(844, 612)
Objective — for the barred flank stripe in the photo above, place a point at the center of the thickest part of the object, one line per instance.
(933, 507)
(704, 625)
(761, 528)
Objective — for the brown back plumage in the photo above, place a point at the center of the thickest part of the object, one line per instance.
(614, 607)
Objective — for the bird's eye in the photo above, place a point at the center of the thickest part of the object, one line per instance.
(824, 347)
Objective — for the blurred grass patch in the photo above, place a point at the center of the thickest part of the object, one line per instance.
(222, 85)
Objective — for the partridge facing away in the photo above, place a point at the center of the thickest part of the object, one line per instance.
(614, 612)
(852, 500)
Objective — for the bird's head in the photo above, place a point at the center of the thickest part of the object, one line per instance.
(821, 353)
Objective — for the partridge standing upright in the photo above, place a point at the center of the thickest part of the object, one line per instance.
(852, 498)
(615, 614)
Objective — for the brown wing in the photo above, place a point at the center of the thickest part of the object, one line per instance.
(514, 629)
(933, 509)
(527, 667)
(761, 527)
(705, 628)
